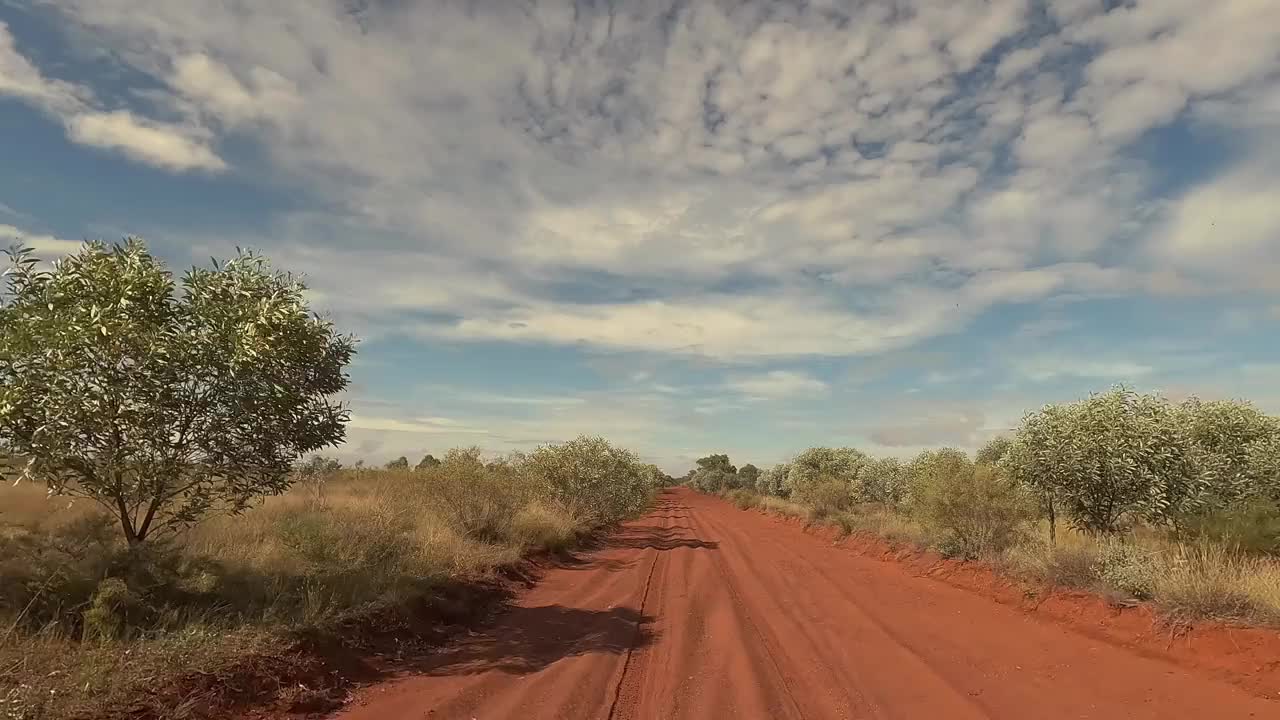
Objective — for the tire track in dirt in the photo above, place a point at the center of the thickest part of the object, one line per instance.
(699, 610)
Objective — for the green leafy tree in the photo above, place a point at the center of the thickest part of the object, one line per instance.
(162, 404)
(400, 463)
(715, 473)
(774, 480)
(995, 449)
(1227, 441)
(1113, 456)
(817, 467)
(748, 475)
(427, 462)
(883, 480)
(604, 482)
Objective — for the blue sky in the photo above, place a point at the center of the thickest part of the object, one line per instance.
(693, 226)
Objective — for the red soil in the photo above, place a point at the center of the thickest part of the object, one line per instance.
(700, 610)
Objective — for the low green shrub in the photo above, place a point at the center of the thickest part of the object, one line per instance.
(978, 510)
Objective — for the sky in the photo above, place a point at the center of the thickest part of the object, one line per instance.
(694, 226)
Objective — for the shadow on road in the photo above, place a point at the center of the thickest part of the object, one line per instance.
(529, 639)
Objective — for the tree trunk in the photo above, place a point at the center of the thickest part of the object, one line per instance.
(1053, 523)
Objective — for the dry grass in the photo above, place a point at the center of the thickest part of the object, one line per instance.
(230, 586)
(768, 503)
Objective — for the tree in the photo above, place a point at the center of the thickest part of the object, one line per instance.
(715, 473)
(604, 482)
(427, 462)
(819, 466)
(400, 463)
(883, 480)
(1117, 454)
(994, 450)
(158, 404)
(1226, 441)
(774, 480)
(748, 475)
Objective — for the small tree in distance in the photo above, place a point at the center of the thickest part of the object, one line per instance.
(160, 405)
(400, 463)
(427, 462)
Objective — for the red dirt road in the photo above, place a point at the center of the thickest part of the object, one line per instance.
(701, 611)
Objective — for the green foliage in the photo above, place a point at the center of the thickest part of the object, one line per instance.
(932, 468)
(748, 475)
(977, 507)
(400, 463)
(773, 482)
(828, 498)
(715, 473)
(994, 451)
(599, 480)
(1122, 456)
(882, 480)
(162, 405)
(427, 462)
(1128, 568)
(1253, 526)
(819, 466)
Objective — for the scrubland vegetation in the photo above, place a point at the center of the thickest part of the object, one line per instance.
(86, 620)
(1127, 494)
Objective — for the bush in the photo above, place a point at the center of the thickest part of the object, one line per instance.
(827, 498)
(1252, 527)
(821, 466)
(1128, 568)
(479, 500)
(602, 483)
(882, 481)
(544, 525)
(773, 482)
(743, 499)
(979, 510)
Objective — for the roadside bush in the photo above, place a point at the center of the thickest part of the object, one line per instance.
(819, 466)
(743, 499)
(773, 482)
(1128, 568)
(827, 498)
(544, 525)
(603, 483)
(479, 500)
(882, 481)
(979, 510)
(1252, 527)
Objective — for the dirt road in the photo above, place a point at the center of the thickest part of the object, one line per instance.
(699, 610)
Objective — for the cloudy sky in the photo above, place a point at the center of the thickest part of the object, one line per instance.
(689, 226)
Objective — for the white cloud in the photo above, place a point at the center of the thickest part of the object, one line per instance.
(779, 384)
(21, 79)
(46, 246)
(1230, 225)
(1043, 368)
(151, 143)
(420, 425)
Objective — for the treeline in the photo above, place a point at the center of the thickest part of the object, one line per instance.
(1105, 465)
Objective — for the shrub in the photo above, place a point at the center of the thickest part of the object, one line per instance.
(882, 481)
(545, 526)
(820, 466)
(479, 500)
(604, 483)
(1253, 527)
(994, 451)
(772, 482)
(744, 499)
(1128, 568)
(827, 498)
(979, 510)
